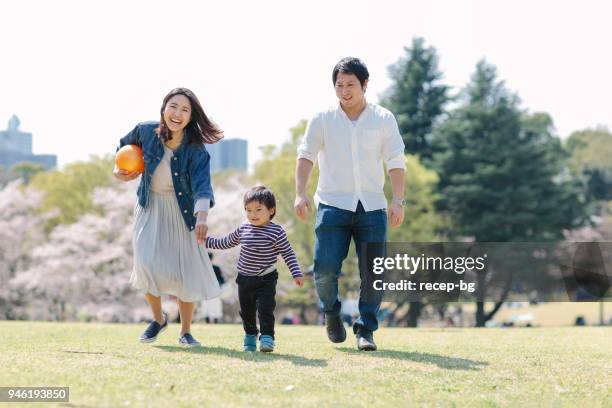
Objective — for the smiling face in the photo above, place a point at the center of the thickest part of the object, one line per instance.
(177, 113)
(349, 91)
(258, 214)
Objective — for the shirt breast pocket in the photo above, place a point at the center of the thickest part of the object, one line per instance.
(371, 140)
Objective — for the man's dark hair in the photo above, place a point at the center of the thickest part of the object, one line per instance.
(351, 65)
(262, 195)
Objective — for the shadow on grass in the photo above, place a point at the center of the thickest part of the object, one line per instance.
(246, 356)
(449, 363)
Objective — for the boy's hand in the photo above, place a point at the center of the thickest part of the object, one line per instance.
(299, 281)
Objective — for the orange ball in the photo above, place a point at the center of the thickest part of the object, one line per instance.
(129, 158)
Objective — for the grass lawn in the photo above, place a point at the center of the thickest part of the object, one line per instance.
(104, 365)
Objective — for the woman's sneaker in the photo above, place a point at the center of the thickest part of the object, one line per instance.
(250, 342)
(187, 340)
(154, 328)
(266, 343)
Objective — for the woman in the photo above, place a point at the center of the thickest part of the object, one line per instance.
(174, 197)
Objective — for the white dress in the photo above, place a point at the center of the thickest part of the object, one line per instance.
(167, 257)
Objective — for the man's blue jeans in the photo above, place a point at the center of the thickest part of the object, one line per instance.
(333, 231)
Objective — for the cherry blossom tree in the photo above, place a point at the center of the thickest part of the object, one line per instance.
(21, 230)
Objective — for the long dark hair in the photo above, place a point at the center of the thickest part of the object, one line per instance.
(199, 129)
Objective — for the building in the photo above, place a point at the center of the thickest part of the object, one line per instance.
(228, 154)
(16, 147)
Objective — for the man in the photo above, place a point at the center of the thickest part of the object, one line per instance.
(350, 141)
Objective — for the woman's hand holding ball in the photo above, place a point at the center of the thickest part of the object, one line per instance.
(125, 175)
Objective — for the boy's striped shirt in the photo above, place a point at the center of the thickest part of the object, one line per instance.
(259, 248)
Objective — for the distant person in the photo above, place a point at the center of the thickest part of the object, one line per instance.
(174, 197)
(261, 241)
(288, 319)
(351, 142)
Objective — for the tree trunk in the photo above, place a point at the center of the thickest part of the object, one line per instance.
(303, 315)
(480, 314)
(497, 306)
(413, 313)
(480, 296)
(481, 317)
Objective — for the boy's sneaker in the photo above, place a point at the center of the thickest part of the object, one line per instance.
(154, 328)
(187, 340)
(336, 333)
(250, 342)
(266, 343)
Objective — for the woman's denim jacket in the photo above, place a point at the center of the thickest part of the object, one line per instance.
(190, 166)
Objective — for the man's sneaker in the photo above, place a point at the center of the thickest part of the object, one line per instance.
(187, 340)
(365, 341)
(154, 328)
(335, 329)
(250, 342)
(266, 343)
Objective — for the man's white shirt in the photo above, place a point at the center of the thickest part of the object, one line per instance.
(351, 156)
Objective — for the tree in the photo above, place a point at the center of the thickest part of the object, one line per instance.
(6, 176)
(26, 170)
(590, 151)
(82, 270)
(69, 191)
(21, 230)
(503, 173)
(416, 97)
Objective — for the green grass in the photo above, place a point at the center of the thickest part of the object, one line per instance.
(104, 365)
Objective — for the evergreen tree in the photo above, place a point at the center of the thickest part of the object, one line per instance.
(416, 97)
(503, 173)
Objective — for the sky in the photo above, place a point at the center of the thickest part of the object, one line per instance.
(80, 75)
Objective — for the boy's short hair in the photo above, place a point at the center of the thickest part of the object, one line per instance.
(262, 195)
(351, 65)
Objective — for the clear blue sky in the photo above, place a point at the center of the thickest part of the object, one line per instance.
(81, 74)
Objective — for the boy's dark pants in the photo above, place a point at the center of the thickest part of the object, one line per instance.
(257, 295)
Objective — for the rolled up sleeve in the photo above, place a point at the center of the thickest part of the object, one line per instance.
(203, 204)
(393, 145)
(200, 176)
(313, 140)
